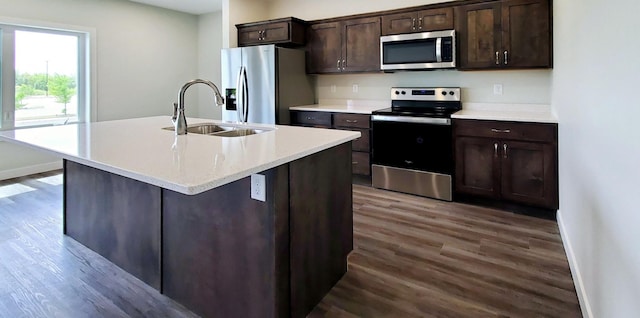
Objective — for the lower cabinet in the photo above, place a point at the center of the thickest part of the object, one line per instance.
(511, 161)
(361, 155)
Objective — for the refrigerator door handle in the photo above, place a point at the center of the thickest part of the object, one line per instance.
(245, 97)
(239, 93)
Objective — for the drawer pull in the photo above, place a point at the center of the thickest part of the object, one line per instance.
(505, 150)
(310, 118)
(352, 121)
(495, 150)
(354, 163)
(502, 131)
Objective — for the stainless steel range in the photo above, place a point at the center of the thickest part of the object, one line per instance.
(412, 142)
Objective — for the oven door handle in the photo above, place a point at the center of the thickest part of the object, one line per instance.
(416, 120)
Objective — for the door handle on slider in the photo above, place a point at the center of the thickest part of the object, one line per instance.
(505, 151)
(504, 131)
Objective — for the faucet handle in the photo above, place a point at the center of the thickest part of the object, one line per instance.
(175, 113)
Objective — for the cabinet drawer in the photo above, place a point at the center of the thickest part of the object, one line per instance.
(314, 119)
(351, 120)
(361, 164)
(506, 130)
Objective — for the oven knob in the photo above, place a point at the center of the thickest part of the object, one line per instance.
(397, 93)
(404, 93)
(451, 93)
(444, 93)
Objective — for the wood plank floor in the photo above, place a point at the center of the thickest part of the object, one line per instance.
(413, 257)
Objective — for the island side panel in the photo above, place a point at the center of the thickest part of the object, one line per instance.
(321, 225)
(117, 217)
(225, 254)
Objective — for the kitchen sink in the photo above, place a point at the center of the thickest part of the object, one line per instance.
(220, 130)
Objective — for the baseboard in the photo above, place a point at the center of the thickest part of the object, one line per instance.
(585, 306)
(25, 171)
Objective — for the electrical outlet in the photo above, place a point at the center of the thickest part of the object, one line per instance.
(355, 88)
(497, 89)
(333, 88)
(258, 187)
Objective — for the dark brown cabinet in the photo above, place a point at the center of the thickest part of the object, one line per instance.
(505, 34)
(286, 32)
(361, 147)
(421, 21)
(344, 46)
(510, 161)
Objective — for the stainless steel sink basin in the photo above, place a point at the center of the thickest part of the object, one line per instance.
(220, 130)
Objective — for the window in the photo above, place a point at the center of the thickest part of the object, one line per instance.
(44, 76)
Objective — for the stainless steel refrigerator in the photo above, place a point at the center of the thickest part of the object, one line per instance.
(260, 83)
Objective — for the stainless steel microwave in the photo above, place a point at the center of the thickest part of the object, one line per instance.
(416, 51)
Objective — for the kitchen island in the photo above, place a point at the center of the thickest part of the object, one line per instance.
(177, 211)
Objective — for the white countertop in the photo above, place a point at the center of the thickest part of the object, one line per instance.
(537, 113)
(357, 106)
(189, 164)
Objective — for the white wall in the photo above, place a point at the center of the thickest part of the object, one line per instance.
(209, 45)
(595, 94)
(518, 86)
(144, 54)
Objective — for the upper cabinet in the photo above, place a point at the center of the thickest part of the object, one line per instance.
(344, 46)
(420, 21)
(504, 34)
(285, 32)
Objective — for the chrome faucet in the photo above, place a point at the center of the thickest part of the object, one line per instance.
(179, 120)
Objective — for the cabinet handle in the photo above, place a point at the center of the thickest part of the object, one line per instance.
(352, 121)
(505, 151)
(354, 162)
(344, 65)
(502, 131)
(495, 150)
(506, 57)
(310, 118)
(420, 23)
(338, 65)
(497, 58)
(413, 24)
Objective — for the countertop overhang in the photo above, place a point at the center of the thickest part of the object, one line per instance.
(190, 164)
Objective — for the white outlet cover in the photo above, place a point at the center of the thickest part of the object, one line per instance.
(355, 88)
(258, 187)
(497, 89)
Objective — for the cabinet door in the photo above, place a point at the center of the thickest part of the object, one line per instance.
(276, 32)
(528, 173)
(480, 39)
(526, 37)
(477, 166)
(435, 19)
(361, 47)
(399, 23)
(249, 35)
(324, 47)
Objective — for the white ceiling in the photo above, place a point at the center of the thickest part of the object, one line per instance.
(188, 6)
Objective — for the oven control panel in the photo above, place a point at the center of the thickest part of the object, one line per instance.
(426, 93)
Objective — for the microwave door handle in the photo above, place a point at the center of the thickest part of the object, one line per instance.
(439, 50)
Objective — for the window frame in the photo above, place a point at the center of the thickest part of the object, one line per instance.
(86, 83)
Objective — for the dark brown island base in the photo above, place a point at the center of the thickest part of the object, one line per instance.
(221, 253)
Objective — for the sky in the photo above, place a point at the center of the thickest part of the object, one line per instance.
(35, 50)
